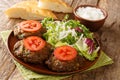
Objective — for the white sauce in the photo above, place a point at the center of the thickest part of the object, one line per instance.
(90, 13)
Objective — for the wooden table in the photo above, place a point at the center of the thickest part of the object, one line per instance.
(109, 36)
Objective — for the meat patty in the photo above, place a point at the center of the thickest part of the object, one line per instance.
(22, 34)
(63, 66)
(32, 56)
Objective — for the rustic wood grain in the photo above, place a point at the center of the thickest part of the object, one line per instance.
(109, 36)
(6, 64)
(79, 2)
(16, 75)
(7, 67)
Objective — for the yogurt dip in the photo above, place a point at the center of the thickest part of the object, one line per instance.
(90, 13)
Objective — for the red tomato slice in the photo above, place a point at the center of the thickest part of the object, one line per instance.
(65, 53)
(30, 26)
(34, 43)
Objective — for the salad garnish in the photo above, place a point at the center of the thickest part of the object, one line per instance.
(71, 33)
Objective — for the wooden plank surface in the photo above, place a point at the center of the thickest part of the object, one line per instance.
(109, 36)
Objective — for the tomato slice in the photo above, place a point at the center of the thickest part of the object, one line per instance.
(30, 26)
(65, 53)
(34, 43)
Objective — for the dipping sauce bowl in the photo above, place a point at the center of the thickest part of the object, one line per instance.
(93, 17)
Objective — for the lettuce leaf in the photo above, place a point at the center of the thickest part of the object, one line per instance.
(83, 49)
(61, 33)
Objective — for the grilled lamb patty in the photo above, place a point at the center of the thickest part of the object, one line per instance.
(22, 34)
(31, 56)
(63, 66)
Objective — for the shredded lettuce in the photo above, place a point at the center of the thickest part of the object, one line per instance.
(61, 44)
(69, 39)
(64, 33)
(84, 49)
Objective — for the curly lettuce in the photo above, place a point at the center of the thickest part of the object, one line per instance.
(70, 32)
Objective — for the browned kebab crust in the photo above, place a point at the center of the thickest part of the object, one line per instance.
(22, 34)
(29, 56)
(63, 66)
